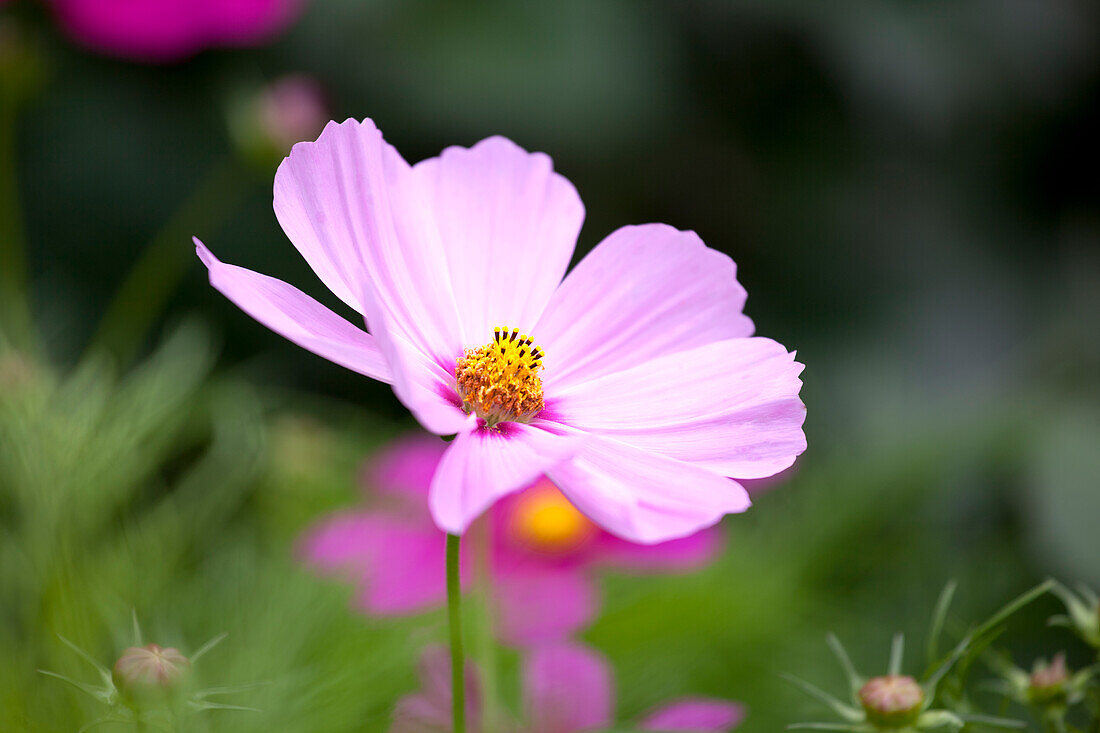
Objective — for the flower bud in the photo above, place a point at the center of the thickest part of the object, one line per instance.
(150, 672)
(267, 123)
(20, 62)
(16, 371)
(1048, 682)
(892, 701)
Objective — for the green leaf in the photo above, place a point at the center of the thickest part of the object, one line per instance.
(897, 654)
(845, 711)
(939, 617)
(855, 681)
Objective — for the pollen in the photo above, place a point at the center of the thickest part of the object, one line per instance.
(500, 381)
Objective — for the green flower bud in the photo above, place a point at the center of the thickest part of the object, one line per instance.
(892, 701)
(150, 672)
(1048, 683)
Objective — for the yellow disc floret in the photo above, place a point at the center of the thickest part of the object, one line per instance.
(500, 381)
(545, 521)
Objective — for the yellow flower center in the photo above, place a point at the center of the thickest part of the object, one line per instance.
(545, 521)
(500, 381)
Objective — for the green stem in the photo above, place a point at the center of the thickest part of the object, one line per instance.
(485, 642)
(161, 267)
(454, 618)
(15, 316)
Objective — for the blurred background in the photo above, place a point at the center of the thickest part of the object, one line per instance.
(909, 189)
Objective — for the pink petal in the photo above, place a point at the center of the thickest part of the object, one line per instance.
(422, 384)
(483, 464)
(296, 316)
(543, 605)
(429, 711)
(350, 205)
(642, 496)
(687, 553)
(397, 561)
(167, 30)
(508, 225)
(729, 406)
(695, 714)
(405, 467)
(642, 292)
(567, 689)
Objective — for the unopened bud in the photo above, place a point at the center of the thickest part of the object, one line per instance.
(267, 123)
(892, 701)
(20, 62)
(16, 372)
(150, 671)
(1047, 683)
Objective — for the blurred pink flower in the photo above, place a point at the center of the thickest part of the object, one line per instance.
(291, 109)
(649, 392)
(566, 688)
(541, 557)
(169, 30)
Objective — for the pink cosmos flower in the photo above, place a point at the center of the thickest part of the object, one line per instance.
(541, 549)
(168, 30)
(640, 392)
(567, 688)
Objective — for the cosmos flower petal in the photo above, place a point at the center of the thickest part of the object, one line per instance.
(686, 553)
(696, 714)
(422, 383)
(542, 604)
(291, 313)
(508, 225)
(730, 406)
(568, 689)
(394, 559)
(169, 30)
(642, 496)
(482, 465)
(643, 291)
(350, 205)
(429, 710)
(405, 468)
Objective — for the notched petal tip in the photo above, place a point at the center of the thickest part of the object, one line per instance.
(204, 253)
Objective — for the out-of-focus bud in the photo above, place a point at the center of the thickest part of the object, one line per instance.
(266, 124)
(150, 672)
(20, 62)
(16, 371)
(1082, 613)
(892, 701)
(1048, 683)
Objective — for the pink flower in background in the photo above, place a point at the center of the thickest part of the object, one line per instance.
(542, 554)
(639, 391)
(169, 30)
(566, 688)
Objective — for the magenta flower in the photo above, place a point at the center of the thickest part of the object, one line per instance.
(541, 556)
(169, 30)
(639, 390)
(566, 687)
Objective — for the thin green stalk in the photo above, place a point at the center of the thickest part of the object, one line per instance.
(15, 315)
(484, 640)
(454, 619)
(157, 273)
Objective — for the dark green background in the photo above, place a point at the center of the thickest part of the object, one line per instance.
(909, 189)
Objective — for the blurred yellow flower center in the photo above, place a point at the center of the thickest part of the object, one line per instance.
(544, 520)
(500, 381)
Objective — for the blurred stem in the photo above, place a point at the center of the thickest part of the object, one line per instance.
(158, 271)
(486, 644)
(454, 619)
(15, 315)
